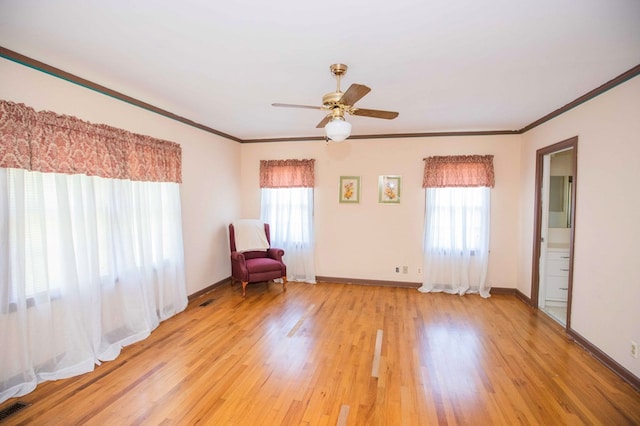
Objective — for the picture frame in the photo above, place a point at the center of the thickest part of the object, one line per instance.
(389, 189)
(349, 189)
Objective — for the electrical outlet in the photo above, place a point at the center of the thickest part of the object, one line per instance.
(405, 269)
(634, 349)
(419, 270)
(397, 269)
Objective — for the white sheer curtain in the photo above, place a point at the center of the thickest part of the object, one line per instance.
(289, 213)
(87, 266)
(456, 240)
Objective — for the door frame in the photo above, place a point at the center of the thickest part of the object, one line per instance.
(571, 143)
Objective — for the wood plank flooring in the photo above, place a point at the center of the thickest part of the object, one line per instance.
(306, 357)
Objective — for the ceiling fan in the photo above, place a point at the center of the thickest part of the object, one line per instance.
(337, 103)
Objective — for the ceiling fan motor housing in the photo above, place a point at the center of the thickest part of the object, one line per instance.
(331, 99)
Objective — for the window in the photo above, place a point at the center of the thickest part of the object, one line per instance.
(457, 218)
(287, 206)
(91, 255)
(289, 212)
(59, 215)
(457, 223)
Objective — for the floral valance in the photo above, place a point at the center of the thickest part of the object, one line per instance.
(287, 173)
(48, 142)
(458, 171)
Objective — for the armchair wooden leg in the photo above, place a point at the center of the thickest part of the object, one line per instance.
(244, 287)
(284, 283)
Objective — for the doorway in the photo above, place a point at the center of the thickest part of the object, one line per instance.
(554, 230)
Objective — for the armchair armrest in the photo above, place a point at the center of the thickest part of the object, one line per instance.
(239, 266)
(275, 253)
(236, 256)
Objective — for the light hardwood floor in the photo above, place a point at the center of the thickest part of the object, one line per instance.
(306, 357)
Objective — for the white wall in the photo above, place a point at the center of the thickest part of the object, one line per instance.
(606, 281)
(210, 164)
(368, 240)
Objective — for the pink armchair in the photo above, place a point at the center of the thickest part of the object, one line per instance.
(256, 266)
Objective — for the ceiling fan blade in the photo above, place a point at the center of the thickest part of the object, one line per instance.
(375, 113)
(296, 106)
(324, 122)
(354, 93)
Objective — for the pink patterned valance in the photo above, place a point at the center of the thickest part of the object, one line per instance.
(458, 171)
(48, 142)
(287, 173)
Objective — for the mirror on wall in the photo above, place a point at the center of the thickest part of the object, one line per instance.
(560, 202)
(561, 168)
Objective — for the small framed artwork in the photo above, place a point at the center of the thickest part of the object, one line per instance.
(389, 189)
(349, 189)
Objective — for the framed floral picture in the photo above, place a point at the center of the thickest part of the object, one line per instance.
(389, 189)
(349, 189)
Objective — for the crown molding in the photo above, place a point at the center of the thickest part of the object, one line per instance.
(56, 72)
(72, 78)
(627, 75)
(390, 136)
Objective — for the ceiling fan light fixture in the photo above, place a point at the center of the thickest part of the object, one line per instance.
(338, 129)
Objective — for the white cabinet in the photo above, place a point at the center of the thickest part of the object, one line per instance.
(557, 275)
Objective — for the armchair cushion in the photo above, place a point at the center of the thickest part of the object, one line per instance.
(263, 264)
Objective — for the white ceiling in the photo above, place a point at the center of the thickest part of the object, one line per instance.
(445, 65)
